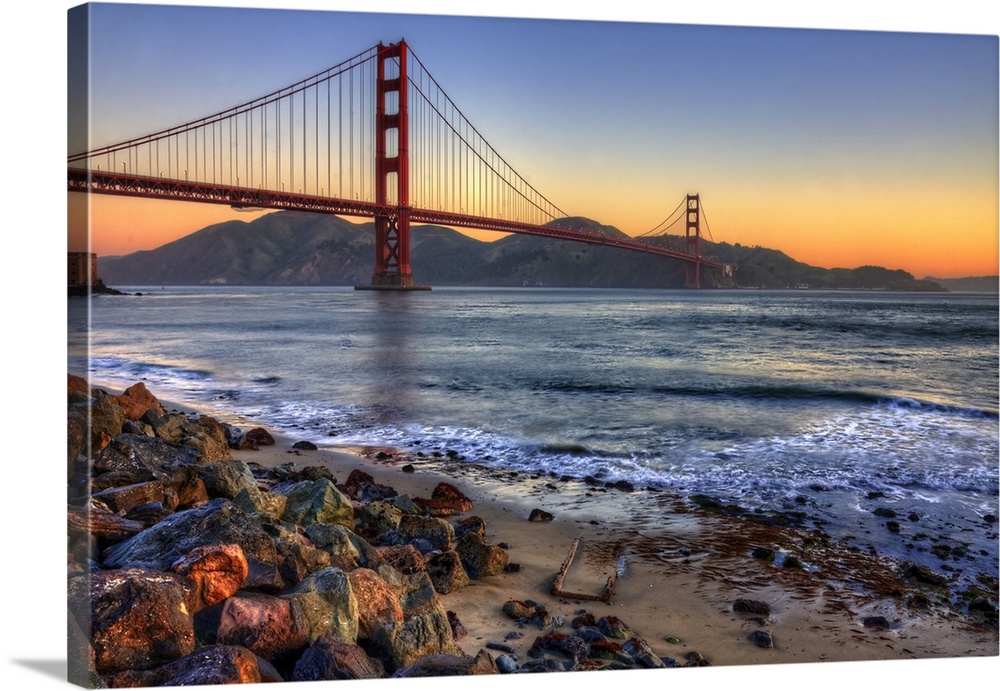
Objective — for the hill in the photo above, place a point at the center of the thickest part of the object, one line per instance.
(299, 248)
(971, 284)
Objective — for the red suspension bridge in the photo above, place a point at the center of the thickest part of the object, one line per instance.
(375, 136)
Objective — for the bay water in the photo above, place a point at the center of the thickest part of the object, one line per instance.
(840, 401)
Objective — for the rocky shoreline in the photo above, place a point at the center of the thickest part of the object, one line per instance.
(191, 563)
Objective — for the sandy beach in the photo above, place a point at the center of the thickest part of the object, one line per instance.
(682, 570)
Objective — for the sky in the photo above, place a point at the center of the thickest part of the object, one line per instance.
(838, 147)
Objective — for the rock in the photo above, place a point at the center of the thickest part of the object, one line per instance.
(255, 438)
(990, 518)
(328, 603)
(330, 659)
(763, 553)
(458, 630)
(446, 499)
(216, 664)
(446, 572)
(408, 468)
(559, 643)
(613, 627)
(143, 458)
(362, 486)
(745, 606)
(305, 446)
(472, 524)
(528, 613)
(437, 531)
(762, 639)
(228, 479)
(883, 512)
(217, 522)
(506, 664)
(401, 645)
(642, 653)
(125, 498)
(381, 517)
(136, 400)
(340, 542)
(480, 558)
(404, 558)
(138, 619)
(923, 574)
(274, 628)
(539, 516)
(876, 622)
(446, 665)
(216, 572)
(603, 649)
(378, 604)
(106, 419)
(415, 592)
(318, 501)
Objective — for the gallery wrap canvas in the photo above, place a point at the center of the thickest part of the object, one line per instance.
(408, 346)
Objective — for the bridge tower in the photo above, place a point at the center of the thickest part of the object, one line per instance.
(692, 242)
(392, 173)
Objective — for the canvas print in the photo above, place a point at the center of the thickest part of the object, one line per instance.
(418, 346)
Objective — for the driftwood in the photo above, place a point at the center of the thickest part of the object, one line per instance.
(557, 583)
(101, 523)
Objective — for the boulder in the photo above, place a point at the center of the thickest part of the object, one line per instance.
(137, 618)
(143, 458)
(216, 664)
(449, 665)
(381, 517)
(274, 628)
(318, 501)
(255, 438)
(341, 543)
(216, 572)
(228, 479)
(362, 486)
(401, 645)
(406, 559)
(480, 558)
(124, 499)
(446, 571)
(328, 604)
(446, 500)
(136, 400)
(331, 659)
(378, 604)
(217, 522)
(437, 531)
(106, 419)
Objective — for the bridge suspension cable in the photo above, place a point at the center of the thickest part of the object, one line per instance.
(454, 168)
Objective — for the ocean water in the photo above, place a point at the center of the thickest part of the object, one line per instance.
(771, 400)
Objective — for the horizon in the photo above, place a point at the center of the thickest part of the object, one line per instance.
(495, 237)
(837, 147)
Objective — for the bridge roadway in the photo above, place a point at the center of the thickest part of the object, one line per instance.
(123, 184)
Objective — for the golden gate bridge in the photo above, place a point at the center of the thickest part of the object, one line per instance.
(374, 136)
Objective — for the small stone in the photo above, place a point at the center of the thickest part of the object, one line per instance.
(745, 606)
(877, 622)
(506, 664)
(304, 445)
(673, 640)
(408, 468)
(539, 516)
(892, 526)
(883, 512)
(990, 518)
(763, 553)
(761, 639)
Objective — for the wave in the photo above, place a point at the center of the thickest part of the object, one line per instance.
(762, 392)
